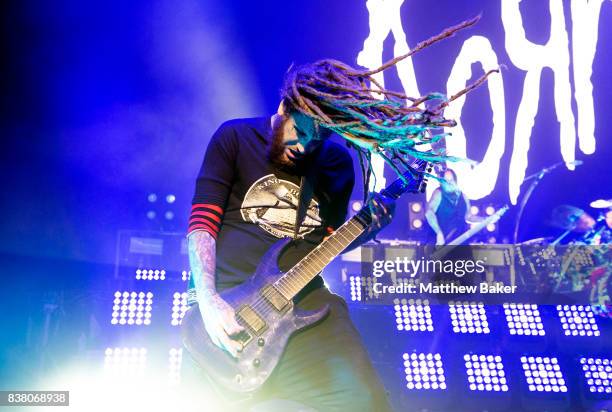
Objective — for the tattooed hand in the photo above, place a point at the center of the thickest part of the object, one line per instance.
(381, 209)
(220, 322)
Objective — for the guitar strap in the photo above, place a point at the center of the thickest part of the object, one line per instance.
(307, 184)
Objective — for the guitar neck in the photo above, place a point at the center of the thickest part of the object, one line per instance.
(450, 246)
(314, 262)
(306, 269)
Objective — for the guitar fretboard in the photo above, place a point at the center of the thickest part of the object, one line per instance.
(306, 269)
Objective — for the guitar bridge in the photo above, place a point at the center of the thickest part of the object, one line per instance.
(252, 319)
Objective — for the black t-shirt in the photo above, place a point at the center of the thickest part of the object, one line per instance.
(248, 203)
(451, 214)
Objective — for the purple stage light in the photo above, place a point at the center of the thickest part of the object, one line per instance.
(150, 274)
(355, 282)
(543, 374)
(524, 319)
(125, 362)
(485, 373)
(413, 315)
(598, 374)
(132, 308)
(577, 320)
(175, 360)
(179, 307)
(468, 317)
(424, 371)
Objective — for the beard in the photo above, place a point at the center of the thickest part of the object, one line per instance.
(277, 151)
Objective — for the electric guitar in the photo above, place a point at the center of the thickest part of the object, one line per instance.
(264, 305)
(459, 240)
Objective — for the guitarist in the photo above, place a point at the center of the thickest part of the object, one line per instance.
(246, 196)
(448, 209)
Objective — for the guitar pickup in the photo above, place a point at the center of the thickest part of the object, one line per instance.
(249, 317)
(275, 298)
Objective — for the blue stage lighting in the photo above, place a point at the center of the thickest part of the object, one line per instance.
(150, 274)
(125, 362)
(179, 307)
(132, 308)
(577, 320)
(468, 317)
(598, 373)
(185, 275)
(485, 373)
(524, 319)
(175, 359)
(413, 315)
(543, 374)
(424, 371)
(355, 282)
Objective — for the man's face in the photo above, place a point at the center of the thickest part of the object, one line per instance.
(450, 183)
(295, 136)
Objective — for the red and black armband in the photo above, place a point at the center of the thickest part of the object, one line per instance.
(207, 217)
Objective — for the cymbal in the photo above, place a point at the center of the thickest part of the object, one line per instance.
(601, 204)
(565, 217)
(537, 241)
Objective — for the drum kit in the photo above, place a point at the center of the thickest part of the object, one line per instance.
(579, 259)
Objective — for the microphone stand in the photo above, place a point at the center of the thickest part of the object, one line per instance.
(536, 177)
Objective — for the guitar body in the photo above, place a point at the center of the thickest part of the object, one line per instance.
(265, 343)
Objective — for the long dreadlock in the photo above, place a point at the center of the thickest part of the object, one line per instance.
(351, 103)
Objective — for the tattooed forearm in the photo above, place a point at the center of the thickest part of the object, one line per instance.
(202, 249)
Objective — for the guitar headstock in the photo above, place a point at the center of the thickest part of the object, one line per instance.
(413, 178)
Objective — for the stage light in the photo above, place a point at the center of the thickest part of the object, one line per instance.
(485, 373)
(355, 284)
(185, 275)
(132, 308)
(151, 215)
(179, 307)
(577, 320)
(492, 240)
(175, 360)
(424, 371)
(169, 215)
(524, 319)
(413, 315)
(416, 215)
(489, 210)
(356, 206)
(152, 197)
(170, 198)
(125, 362)
(474, 210)
(468, 317)
(491, 227)
(598, 374)
(543, 374)
(150, 274)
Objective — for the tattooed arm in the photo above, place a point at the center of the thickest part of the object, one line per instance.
(218, 316)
